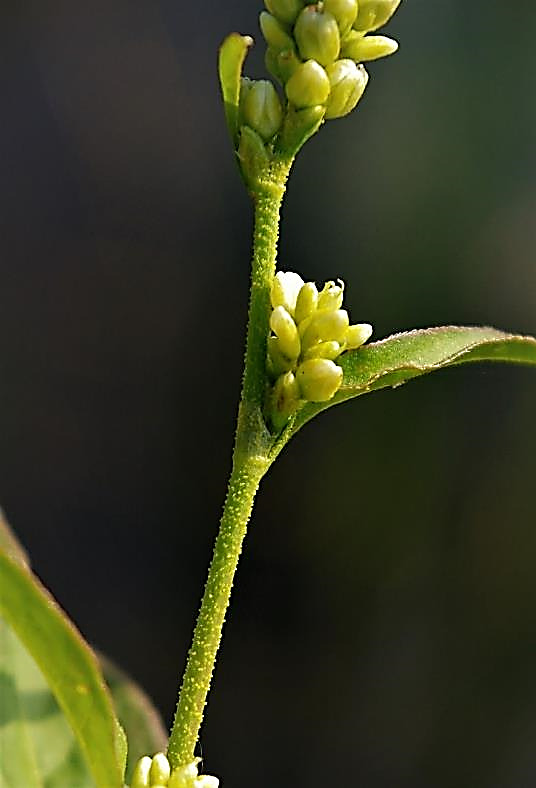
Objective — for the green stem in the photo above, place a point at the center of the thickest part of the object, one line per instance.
(250, 462)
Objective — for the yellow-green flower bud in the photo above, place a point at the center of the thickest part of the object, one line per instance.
(306, 302)
(319, 379)
(373, 14)
(160, 770)
(330, 350)
(317, 35)
(285, 10)
(344, 11)
(357, 335)
(308, 86)
(287, 63)
(275, 34)
(262, 109)
(270, 61)
(365, 48)
(285, 399)
(278, 362)
(286, 331)
(252, 154)
(285, 289)
(348, 82)
(141, 776)
(326, 327)
(331, 296)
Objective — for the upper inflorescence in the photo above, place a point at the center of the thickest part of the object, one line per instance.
(309, 331)
(156, 772)
(316, 51)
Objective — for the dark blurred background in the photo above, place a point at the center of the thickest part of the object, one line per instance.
(383, 630)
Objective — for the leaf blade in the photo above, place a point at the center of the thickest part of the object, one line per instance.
(69, 666)
(393, 361)
(36, 742)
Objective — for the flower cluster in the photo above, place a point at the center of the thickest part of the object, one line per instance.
(309, 331)
(156, 772)
(316, 51)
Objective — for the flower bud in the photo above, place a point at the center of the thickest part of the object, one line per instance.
(285, 289)
(270, 61)
(277, 363)
(252, 154)
(326, 327)
(160, 770)
(317, 35)
(286, 331)
(306, 302)
(348, 83)
(364, 48)
(141, 775)
(373, 14)
(331, 296)
(357, 335)
(184, 776)
(207, 781)
(344, 11)
(262, 109)
(284, 10)
(275, 34)
(319, 379)
(285, 399)
(287, 63)
(299, 125)
(308, 86)
(330, 350)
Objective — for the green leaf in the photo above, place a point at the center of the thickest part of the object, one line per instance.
(68, 665)
(36, 742)
(401, 357)
(233, 52)
(142, 723)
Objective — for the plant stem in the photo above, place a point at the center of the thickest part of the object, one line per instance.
(250, 462)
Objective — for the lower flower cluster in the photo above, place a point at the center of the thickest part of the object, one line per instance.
(156, 772)
(309, 331)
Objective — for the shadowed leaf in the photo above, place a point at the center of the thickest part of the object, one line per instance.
(69, 667)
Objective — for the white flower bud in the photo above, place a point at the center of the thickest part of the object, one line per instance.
(308, 86)
(207, 781)
(319, 379)
(306, 302)
(326, 327)
(348, 83)
(160, 770)
(141, 775)
(357, 335)
(285, 329)
(331, 296)
(285, 289)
